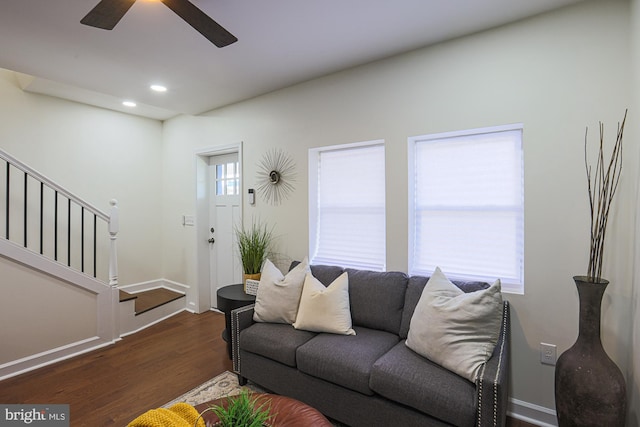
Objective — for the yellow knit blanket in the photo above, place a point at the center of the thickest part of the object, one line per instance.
(179, 415)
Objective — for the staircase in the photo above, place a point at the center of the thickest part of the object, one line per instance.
(51, 237)
(141, 309)
(148, 300)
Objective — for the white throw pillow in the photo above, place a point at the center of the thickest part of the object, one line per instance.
(454, 329)
(278, 296)
(325, 309)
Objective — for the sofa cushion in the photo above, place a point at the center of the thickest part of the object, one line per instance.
(326, 273)
(456, 329)
(406, 377)
(278, 295)
(383, 290)
(325, 309)
(414, 291)
(276, 341)
(345, 360)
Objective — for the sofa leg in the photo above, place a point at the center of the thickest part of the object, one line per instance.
(241, 380)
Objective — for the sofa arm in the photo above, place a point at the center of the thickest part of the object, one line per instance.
(241, 318)
(492, 383)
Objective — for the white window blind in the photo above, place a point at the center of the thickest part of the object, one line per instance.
(347, 206)
(467, 205)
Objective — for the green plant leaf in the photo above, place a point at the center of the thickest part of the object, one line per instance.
(243, 411)
(254, 245)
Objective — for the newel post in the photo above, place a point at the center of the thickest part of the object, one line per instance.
(114, 226)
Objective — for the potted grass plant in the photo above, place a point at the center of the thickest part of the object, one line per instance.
(242, 410)
(254, 245)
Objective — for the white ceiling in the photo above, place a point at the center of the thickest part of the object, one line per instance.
(281, 43)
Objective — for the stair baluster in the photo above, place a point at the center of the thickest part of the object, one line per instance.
(47, 225)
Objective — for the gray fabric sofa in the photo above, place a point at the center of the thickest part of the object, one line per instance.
(372, 378)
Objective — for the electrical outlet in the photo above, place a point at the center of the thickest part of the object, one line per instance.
(547, 354)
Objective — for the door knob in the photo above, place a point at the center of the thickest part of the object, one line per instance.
(211, 240)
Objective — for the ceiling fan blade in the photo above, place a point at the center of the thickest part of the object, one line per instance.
(107, 13)
(200, 21)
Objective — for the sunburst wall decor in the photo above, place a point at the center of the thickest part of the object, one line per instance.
(276, 172)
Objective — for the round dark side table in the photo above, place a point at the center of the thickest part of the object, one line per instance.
(229, 298)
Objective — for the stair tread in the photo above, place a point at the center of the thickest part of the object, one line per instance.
(126, 296)
(148, 300)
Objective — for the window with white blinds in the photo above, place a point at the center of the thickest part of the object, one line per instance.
(347, 206)
(466, 205)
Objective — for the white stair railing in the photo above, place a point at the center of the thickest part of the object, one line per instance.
(114, 226)
(44, 217)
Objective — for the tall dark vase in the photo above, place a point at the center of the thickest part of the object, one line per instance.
(590, 389)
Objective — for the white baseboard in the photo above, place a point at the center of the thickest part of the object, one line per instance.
(59, 354)
(154, 284)
(531, 413)
(50, 357)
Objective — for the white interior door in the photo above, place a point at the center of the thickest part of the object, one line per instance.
(224, 214)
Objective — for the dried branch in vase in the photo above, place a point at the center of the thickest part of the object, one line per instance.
(602, 186)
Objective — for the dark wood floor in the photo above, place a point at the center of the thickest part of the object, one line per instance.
(112, 386)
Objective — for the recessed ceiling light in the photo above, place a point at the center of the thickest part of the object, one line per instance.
(158, 88)
(129, 103)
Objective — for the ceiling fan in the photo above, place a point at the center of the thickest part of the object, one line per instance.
(108, 13)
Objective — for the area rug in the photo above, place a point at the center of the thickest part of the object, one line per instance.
(225, 384)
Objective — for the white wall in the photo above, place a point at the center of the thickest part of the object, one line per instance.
(556, 73)
(98, 155)
(56, 313)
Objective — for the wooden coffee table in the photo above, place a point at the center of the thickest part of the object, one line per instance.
(288, 412)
